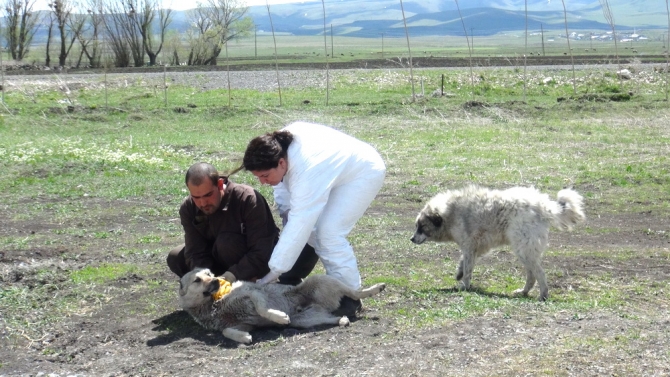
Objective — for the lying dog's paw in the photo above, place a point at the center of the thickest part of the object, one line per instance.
(237, 335)
(344, 321)
(278, 316)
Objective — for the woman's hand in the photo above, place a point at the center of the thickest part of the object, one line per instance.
(271, 277)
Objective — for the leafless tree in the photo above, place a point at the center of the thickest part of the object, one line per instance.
(214, 23)
(89, 34)
(50, 32)
(21, 26)
(144, 14)
(120, 23)
(78, 24)
(131, 27)
(116, 26)
(62, 12)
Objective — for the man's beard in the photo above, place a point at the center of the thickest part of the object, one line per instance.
(208, 210)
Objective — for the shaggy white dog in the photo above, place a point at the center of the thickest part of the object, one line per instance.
(479, 219)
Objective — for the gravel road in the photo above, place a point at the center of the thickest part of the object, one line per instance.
(255, 80)
(206, 80)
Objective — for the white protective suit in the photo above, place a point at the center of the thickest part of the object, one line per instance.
(331, 180)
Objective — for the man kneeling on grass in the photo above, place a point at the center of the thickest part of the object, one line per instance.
(229, 229)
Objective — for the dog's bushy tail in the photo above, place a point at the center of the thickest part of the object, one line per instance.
(571, 211)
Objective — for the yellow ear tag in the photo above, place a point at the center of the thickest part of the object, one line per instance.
(224, 289)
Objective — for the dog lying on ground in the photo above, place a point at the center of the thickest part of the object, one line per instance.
(479, 219)
(243, 306)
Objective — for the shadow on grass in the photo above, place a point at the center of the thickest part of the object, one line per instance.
(180, 325)
(482, 292)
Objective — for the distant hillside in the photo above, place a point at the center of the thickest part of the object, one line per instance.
(480, 21)
(369, 18)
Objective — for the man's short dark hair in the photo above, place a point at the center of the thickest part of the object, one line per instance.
(200, 171)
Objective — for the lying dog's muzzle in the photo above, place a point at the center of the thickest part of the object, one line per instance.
(418, 238)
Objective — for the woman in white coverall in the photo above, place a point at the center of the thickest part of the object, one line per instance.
(323, 180)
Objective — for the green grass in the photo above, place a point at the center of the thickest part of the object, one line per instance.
(113, 178)
(101, 274)
(436, 300)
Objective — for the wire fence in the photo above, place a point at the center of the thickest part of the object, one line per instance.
(185, 90)
(333, 48)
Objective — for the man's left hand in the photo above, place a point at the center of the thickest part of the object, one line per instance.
(229, 277)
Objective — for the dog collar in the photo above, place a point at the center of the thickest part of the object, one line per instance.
(224, 288)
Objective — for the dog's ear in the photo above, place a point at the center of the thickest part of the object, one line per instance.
(434, 218)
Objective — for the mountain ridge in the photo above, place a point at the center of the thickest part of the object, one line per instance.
(372, 18)
(369, 18)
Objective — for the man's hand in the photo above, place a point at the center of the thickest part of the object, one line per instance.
(271, 277)
(229, 277)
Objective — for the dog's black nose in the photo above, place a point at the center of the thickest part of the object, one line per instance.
(213, 287)
(417, 240)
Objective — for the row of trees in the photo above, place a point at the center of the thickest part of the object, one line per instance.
(122, 33)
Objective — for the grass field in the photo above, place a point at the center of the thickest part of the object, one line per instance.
(92, 180)
(508, 44)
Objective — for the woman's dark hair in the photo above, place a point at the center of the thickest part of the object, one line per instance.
(264, 152)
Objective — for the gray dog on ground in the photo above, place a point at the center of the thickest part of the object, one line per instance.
(479, 219)
(243, 306)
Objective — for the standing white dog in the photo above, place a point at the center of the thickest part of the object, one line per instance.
(479, 219)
